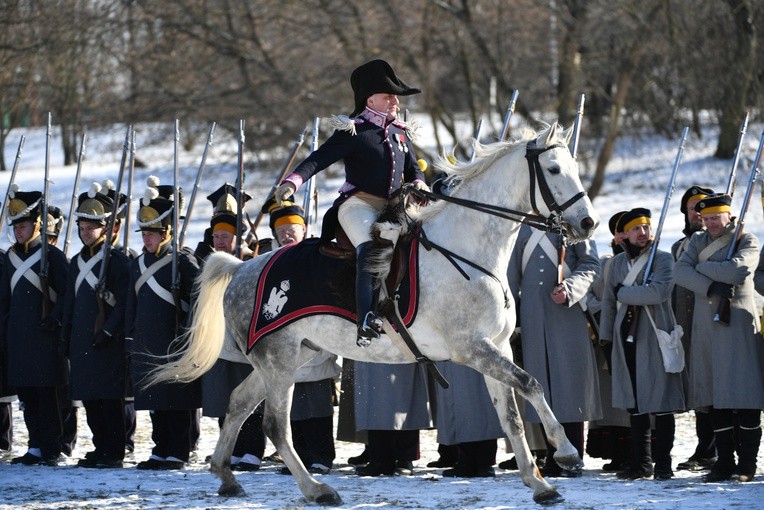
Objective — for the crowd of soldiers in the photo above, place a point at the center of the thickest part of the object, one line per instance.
(588, 331)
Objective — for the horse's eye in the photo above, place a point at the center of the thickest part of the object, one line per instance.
(554, 170)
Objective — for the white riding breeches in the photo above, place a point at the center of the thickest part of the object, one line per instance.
(358, 213)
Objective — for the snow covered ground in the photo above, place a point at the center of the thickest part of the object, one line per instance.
(637, 176)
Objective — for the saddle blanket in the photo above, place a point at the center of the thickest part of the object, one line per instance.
(298, 281)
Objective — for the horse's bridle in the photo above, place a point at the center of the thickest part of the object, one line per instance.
(532, 154)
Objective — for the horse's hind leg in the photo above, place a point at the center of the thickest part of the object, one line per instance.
(242, 403)
(506, 406)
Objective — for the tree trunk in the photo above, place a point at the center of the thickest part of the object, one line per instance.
(741, 72)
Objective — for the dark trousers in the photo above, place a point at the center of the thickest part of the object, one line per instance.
(6, 426)
(171, 433)
(251, 438)
(477, 454)
(130, 421)
(314, 440)
(69, 423)
(388, 446)
(106, 419)
(574, 431)
(42, 415)
(704, 429)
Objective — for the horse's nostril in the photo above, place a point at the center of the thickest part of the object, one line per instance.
(587, 224)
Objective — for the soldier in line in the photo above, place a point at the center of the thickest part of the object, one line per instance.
(232, 367)
(609, 437)
(683, 302)
(153, 320)
(30, 331)
(557, 348)
(726, 361)
(97, 358)
(640, 383)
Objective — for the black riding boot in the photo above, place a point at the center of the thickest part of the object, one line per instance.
(369, 325)
(749, 439)
(641, 451)
(665, 428)
(724, 432)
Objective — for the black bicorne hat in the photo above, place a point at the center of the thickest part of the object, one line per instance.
(376, 77)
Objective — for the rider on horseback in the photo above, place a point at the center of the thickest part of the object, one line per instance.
(379, 157)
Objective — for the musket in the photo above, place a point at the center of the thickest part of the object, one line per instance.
(508, 115)
(44, 284)
(129, 200)
(478, 130)
(732, 181)
(311, 194)
(19, 151)
(240, 191)
(175, 283)
(76, 187)
(723, 308)
(197, 185)
(657, 232)
(284, 171)
(100, 287)
(577, 127)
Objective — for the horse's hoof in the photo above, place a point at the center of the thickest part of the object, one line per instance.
(570, 462)
(550, 497)
(329, 499)
(231, 491)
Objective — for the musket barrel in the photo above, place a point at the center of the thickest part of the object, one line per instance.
(577, 126)
(4, 205)
(175, 207)
(508, 115)
(478, 130)
(732, 178)
(197, 185)
(239, 191)
(310, 189)
(75, 188)
(129, 201)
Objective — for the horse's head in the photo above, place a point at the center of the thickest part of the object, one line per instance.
(555, 187)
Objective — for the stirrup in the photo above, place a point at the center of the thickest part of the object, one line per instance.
(369, 329)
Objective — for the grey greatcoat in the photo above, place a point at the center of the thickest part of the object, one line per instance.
(391, 397)
(683, 301)
(464, 412)
(656, 390)
(727, 361)
(557, 349)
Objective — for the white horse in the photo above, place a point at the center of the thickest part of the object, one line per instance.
(466, 321)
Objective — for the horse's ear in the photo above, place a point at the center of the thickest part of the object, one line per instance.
(568, 135)
(553, 132)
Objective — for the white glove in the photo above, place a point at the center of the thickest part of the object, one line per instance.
(421, 185)
(283, 192)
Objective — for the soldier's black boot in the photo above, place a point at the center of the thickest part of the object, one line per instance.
(664, 442)
(724, 432)
(369, 324)
(749, 439)
(641, 454)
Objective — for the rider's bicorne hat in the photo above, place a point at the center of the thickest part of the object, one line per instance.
(376, 77)
(716, 203)
(23, 205)
(224, 208)
(156, 206)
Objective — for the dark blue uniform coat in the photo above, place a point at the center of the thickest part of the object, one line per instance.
(150, 323)
(96, 373)
(32, 354)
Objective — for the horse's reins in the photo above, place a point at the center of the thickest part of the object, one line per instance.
(548, 224)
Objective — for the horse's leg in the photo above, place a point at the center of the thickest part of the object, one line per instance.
(242, 403)
(276, 422)
(486, 358)
(509, 415)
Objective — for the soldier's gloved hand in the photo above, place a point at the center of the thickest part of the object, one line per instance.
(724, 290)
(49, 323)
(101, 339)
(63, 347)
(283, 192)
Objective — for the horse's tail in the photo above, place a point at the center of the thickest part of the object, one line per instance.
(202, 342)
